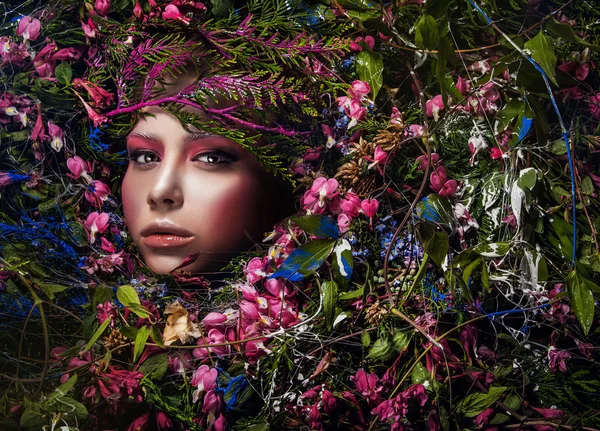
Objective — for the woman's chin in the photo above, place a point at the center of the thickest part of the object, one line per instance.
(167, 264)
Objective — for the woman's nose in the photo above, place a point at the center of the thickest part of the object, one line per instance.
(165, 191)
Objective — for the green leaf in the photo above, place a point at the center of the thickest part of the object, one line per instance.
(351, 294)
(317, 225)
(565, 31)
(127, 295)
(140, 342)
(305, 260)
(63, 389)
(50, 289)
(156, 336)
(155, 367)
(401, 340)
(587, 186)
(365, 339)
(420, 374)
(129, 332)
(97, 335)
(582, 300)
(557, 147)
(382, 349)
(139, 310)
(342, 263)
(101, 294)
(475, 403)
(369, 67)
(542, 51)
(527, 178)
(426, 33)
(63, 73)
(330, 298)
(32, 419)
(445, 53)
(435, 241)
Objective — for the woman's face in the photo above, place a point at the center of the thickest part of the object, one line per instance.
(186, 193)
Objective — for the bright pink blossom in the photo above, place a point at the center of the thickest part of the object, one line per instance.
(172, 13)
(496, 153)
(96, 193)
(43, 62)
(350, 205)
(106, 311)
(92, 115)
(423, 162)
(163, 422)
(78, 168)
(96, 223)
(369, 207)
(214, 318)
(29, 28)
(463, 86)
(204, 380)
(380, 158)
(368, 385)
(557, 359)
(434, 106)
(415, 131)
(102, 7)
(255, 270)
(141, 423)
(321, 191)
(356, 44)
(594, 106)
(89, 29)
(106, 245)
(359, 90)
(100, 97)
(120, 386)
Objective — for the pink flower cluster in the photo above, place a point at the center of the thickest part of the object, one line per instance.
(323, 196)
(120, 386)
(14, 109)
(312, 402)
(45, 61)
(483, 101)
(352, 105)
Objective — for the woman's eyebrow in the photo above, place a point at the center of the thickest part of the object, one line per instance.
(189, 137)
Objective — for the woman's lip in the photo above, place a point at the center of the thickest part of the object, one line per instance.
(164, 240)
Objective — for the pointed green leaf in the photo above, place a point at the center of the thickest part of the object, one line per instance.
(155, 366)
(330, 298)
(140, 342)
(305, 260)
(542, 51)
(565, 31)
(317, 225)
(582, 300)
(97, 335)
(63, 73)
(369, 66)
(475, 403)
(127, 295)
(426, 32)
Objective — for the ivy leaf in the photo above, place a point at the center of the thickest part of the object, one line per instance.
(474, 404)
(140, 342)
(97, 335)
(565, 31)
(155, 366)
(426, 33)
(542, 51)
(63, 73)
(369, 66)
(330, 298)
(582, 300)
(317, 225)
(305, 260)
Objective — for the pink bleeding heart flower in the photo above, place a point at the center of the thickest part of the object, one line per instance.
(106, 245)
(463, 86)
(96, 193)
(396, 117)
(214, 318)
(379, 158)
(255, 270)
(172, 13)
(102, 7)
(79, 168)
(163, 422)
(56, 134)
(437, 178)
(496, 153)
(359, 90)
(43, 62)
(434, 106)
(415, 131)
(29, 28)
(204, 379)
(89, 29)
(476, 144)
(369, 207)
(350, 205)
(423, 162)
(96, 223)
(343, 222)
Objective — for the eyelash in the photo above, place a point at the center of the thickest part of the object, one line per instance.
(214, 153)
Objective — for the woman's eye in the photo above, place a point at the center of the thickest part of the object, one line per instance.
(216, 157)
(143, 157)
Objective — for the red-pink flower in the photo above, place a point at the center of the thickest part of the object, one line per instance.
(415, 131)
(557, 358)
(322, 190)
(204, 380)
(356, 112)
(434, 106)
(356, 44)
(117, 386)
(78, 168)
(163, 422)
(89, 29)
(463, 86)
(96, 193)
(96, 223)
(255, 270)
(106, 311)
(92, 115)
(214, 318)
(423, 162)
(594, 106)
(369, 207)
(106, 245)
(476, 144)
(359, 90)
(350, 205)
(220, 424)
(29, 28)
(379, 159)
(484, 417)
(172, 13)
(102, 7)
(368, 385)
(496, 153)
(100, 96)
(180, 362)
(140, 424)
